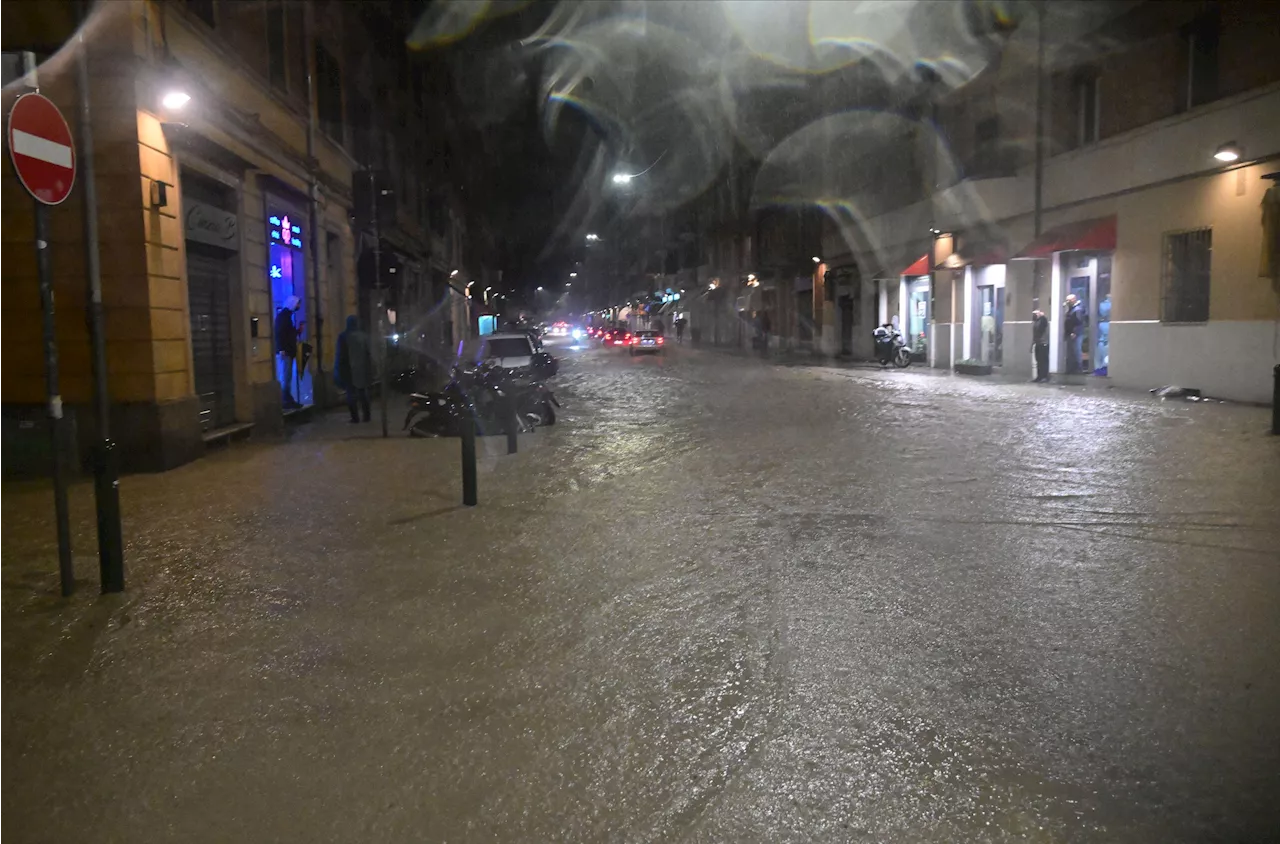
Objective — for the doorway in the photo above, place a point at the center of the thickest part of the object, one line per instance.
(209, 297)
(846, 325)
(991, 324)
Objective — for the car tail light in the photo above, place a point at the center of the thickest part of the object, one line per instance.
(661, 341)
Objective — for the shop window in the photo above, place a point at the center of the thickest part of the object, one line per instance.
(329, 93)
(275, 44)
(203, 9)
(1087, 109)
(1185, 283)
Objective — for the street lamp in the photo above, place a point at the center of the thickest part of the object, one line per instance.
(175, 99)
(622, 178)
(593, 237)
(453, 274)
(817, 260)
(539, 289)
(573, 275)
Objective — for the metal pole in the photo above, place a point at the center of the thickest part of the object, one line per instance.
(382, 302)
(1275, 401)
(513, 425)
(66, 572)
(106, 473)
(56, 426)
(468, 459)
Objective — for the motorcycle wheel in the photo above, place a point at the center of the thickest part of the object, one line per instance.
(548, 414)
(902, 359)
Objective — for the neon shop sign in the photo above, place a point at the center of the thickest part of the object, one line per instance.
(284, 231)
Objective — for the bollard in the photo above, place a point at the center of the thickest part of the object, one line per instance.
(1275, 402)
(469, 460)
(513, 426)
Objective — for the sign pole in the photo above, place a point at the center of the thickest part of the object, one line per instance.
(375, 191)
(57, 429)
(106, 473)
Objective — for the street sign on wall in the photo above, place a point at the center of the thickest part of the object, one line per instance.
(41, 149)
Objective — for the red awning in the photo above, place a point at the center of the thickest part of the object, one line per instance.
(1095, 235)
(920, 267)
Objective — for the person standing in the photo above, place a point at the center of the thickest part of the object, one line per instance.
(1040, 344)
(1073, 331)
(353, 368)
(287, 348)
(680, 331)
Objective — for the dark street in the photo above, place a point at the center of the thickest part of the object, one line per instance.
(720, 601)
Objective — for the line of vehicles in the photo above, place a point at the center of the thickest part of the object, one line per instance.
(641, 341)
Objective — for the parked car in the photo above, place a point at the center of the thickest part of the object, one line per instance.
(646, 342)
(512, 352)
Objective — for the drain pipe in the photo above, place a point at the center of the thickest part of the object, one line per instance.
(313, 191)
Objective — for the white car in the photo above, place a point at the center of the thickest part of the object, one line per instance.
(509, 350)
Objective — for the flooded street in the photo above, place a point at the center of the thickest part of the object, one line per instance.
(720, 601)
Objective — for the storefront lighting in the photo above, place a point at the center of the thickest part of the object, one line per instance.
(175, 100)
(1228, 152)
(453, 274)
(817, 260)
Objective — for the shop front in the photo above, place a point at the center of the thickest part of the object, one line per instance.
(286, 261)
(984, 313)
(1080, 257)
(914, 306)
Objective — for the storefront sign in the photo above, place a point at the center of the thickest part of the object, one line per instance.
(207, 224)
(283, 229)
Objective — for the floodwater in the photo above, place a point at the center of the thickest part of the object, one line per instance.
(720, 601)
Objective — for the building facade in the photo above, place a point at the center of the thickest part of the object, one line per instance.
(1159, 137)
(230, 140)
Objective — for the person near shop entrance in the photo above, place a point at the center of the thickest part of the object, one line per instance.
(287, 349)
(680, 331)
(353, 368)
(1073, 332)
(1040, 344)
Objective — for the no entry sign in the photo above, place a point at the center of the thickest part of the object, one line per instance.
(41, 149)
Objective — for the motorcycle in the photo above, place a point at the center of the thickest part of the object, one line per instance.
(486, 395)
(891, 348)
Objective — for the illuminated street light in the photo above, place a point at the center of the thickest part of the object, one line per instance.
(453, 274)
(573, 275)
(817, 260)
(593, 236)
(622, 178)
(175, 100)
(539, 289)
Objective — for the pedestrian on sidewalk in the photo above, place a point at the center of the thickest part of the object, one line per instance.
(1073, 325)
(680, 331)
(353, 368)
(286, 336)
(1040, 344)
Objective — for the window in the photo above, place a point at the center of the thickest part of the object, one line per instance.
(1200, 40)
(329, 93)
(203, 9)
(1186, 276)
(1087, 109)
(986, 154)
(275, 44)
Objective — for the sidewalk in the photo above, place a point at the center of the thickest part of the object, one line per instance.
(1075, 383)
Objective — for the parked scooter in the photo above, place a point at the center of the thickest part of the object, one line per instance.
(489, 396)
(891, 348)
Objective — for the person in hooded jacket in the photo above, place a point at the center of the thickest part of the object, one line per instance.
(353, 368)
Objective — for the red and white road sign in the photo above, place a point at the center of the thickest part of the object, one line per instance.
(41, 149)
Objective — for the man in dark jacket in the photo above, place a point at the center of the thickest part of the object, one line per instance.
(287, 349)
(1073, 325)
(353, 368)
(1040, 344)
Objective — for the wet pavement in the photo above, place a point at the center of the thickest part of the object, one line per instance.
(720, 601)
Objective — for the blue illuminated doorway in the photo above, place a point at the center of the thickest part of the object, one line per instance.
(288, 275)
